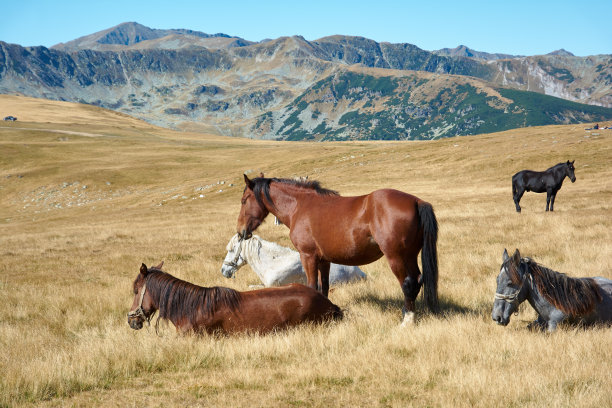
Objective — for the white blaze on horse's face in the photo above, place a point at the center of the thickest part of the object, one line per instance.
(142, 306)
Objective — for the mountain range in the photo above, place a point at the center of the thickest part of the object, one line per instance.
(333, 88)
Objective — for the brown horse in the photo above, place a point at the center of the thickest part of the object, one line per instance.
(325, 227)
(193, 308)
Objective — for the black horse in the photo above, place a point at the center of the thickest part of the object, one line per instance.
(541, 181)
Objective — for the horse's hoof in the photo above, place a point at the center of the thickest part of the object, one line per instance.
(408, 319)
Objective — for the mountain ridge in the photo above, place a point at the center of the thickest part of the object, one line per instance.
(182, 79)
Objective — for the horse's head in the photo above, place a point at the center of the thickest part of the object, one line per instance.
(569, 172)
(233, 260)
(143, 307)
(252, 211)
(511, 290)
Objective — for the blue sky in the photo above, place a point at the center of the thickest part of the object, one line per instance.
(513, 27)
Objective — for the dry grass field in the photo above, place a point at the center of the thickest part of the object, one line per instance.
(85, 200)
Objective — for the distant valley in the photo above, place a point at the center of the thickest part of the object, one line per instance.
(334, 88)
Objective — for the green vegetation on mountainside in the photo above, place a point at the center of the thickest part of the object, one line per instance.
(356, 106)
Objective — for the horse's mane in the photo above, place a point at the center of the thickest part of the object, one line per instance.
(261, 187)
(177, 299)
(573, 296)
(558, 165)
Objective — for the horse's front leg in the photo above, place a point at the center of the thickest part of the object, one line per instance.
(538, 324)
(548, 196)
(324, 277)
(552, 200)
(311, 268)
(552, 326)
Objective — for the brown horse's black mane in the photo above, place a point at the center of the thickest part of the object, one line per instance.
(177, 299)
(261, 187)
(573, 296)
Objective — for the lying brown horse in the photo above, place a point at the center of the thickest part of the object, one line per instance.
(193, 308)
(325, 227)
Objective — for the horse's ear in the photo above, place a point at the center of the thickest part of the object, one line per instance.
(249, 183)
(144, 270)
(517, 256)
(261, 174)
(159, 266)
(505, 256)
(573, 161)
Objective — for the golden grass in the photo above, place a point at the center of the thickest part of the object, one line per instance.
(70, 252)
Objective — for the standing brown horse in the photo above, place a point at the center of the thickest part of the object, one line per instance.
(193, 308)
(325, 227)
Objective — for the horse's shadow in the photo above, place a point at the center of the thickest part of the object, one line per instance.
(448, 307)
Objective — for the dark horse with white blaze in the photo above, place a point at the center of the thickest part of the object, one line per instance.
(548, 181)
(197, 309)
(555, 296)
(326, 227)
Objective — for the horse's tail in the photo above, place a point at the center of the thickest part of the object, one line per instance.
(429, 254)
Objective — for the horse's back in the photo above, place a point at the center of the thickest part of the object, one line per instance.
(290, 304)
(529, 180)
(390, 196)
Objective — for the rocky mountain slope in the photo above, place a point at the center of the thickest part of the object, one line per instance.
(363, 104)
(190, 80)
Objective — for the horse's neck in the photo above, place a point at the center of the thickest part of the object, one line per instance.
(542, 306)
(265, 257)
(559, 174)
(285, 198)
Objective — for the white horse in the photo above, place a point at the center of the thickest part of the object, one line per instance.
(277, 265)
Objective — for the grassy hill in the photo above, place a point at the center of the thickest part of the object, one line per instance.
(83, 203)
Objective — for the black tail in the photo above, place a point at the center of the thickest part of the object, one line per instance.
(429, 255)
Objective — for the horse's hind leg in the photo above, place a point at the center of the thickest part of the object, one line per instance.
(517, 195)
(548, 198)
(409, 277)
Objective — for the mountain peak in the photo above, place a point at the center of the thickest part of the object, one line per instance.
(128, 34)
(561, 52)
(465, 51)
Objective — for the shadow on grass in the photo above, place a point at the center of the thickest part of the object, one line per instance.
(448, 307)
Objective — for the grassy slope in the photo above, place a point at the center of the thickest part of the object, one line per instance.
(66, 270)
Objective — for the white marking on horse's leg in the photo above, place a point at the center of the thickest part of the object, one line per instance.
(408, 319)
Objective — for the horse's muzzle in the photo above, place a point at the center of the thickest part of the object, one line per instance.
(499, 319)
(573, 180)
(135, 324)
(227, 272)
(244, 234)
